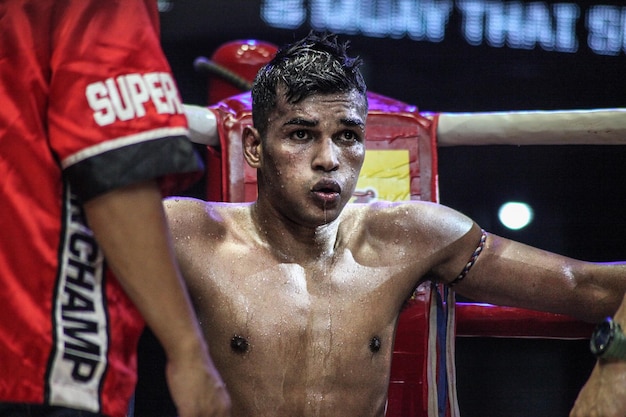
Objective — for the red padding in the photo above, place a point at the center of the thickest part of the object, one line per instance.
(486, 320)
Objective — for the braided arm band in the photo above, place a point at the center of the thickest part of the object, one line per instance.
(472, 259)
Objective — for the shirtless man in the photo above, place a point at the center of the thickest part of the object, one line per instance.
(299, 292)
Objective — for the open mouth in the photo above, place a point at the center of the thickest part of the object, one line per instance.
(327, 190)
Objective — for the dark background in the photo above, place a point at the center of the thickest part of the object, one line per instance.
(576, 191)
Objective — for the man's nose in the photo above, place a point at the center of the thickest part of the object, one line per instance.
(326, 155)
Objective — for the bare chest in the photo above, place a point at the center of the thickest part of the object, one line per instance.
(295, 334)
(283, 306)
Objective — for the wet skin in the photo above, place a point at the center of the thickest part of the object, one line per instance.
(299, 293)
(298, 300)
(295, 333)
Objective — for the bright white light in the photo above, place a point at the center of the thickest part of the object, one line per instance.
(515, 215)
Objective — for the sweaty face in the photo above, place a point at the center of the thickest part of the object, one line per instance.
(312, 155)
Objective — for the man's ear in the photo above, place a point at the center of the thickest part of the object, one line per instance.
(251, 143)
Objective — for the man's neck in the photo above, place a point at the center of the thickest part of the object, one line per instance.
(292, 242)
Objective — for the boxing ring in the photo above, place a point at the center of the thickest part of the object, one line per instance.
(423, 367)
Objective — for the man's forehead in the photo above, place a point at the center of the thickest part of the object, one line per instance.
(351, 105)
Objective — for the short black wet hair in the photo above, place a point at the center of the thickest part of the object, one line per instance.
(316, 64)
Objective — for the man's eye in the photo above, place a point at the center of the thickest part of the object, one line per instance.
(300, 134)
(349, 136)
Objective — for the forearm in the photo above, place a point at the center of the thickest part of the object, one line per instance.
(620, 314)
(601, 289)
(131, 228)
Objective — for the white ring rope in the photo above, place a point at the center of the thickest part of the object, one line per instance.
(563, 127)
(570, 127)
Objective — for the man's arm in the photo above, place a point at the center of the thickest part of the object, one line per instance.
(130, 226)
(513, 274)
(604, 394)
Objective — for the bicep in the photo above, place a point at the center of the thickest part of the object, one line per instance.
(451, 238)
(514, 274)
(457, 259)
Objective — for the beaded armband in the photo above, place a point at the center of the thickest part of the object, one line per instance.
(472, 260)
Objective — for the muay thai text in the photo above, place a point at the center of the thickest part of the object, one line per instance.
(514, 24)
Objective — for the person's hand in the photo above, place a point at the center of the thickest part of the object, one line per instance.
(196, 387)
(604, 394)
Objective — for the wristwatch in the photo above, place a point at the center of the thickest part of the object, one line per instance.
(608, 341)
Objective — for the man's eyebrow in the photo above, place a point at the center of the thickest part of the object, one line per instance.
(299, 121)
(353, 122)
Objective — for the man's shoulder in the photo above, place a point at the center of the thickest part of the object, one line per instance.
(422, 217)
(183, 208)
(383, 216)
(195, 205)
(176, 202)
(388, 210)
(186, 213)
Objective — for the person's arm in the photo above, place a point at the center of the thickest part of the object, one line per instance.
(513, 274)
(130, 225)
(604, 394)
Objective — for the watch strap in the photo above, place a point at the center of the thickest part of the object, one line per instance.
(617, 348)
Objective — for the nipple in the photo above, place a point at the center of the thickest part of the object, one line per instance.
(375, 344)
(239, 344)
